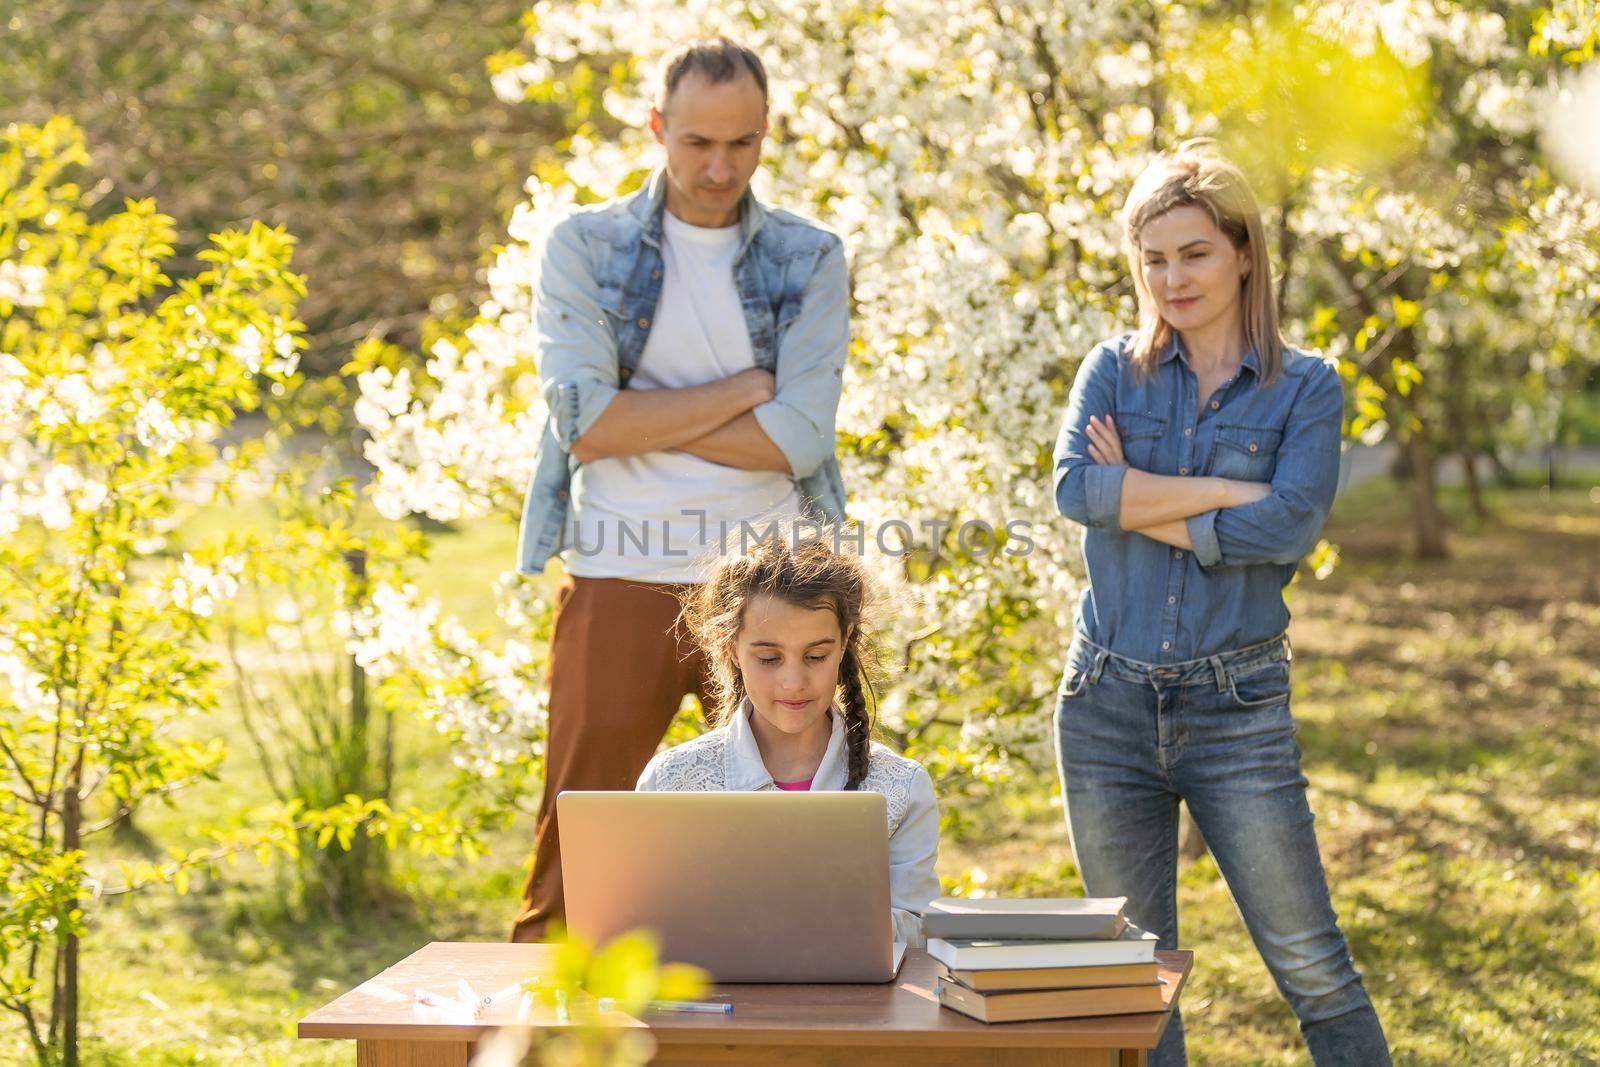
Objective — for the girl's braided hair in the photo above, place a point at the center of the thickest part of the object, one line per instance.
(807, 575)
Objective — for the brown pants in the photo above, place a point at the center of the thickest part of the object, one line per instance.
(619, 668)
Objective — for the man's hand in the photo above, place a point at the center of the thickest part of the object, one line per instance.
(761, 384)
(656, 420)
(741, 442)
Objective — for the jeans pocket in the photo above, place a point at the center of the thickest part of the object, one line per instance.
(1260, 686)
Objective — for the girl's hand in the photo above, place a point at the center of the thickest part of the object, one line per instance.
(1105, 444)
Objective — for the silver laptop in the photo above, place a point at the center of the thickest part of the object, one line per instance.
(754, 887)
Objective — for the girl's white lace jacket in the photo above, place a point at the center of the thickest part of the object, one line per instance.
(727, 758)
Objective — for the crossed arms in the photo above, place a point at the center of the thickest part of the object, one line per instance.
(753, 420)
(1225, 522)
(1158, 505)
(658, 420)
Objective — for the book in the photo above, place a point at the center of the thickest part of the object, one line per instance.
(1051, 1003)
(1057, 918)
(1133, 946)
(1011, 981)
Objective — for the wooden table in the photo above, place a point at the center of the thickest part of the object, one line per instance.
(893, 1024)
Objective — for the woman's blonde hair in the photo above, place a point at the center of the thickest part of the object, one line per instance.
(1196, 175)
(807, 575)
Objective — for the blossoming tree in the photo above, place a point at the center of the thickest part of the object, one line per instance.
(972, 156)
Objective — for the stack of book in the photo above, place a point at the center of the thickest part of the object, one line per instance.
(1014, 960)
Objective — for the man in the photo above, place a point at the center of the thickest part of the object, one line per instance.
(691, 348)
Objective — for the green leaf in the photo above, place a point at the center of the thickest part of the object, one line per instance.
(1405, 311)
(626, 970)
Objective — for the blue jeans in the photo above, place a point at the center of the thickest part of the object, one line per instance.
(1136, 738)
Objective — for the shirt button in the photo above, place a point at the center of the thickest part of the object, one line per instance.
(1252, 446)
(1189, 432)
(1177, 554)
(1183, 470)
(1172, 600)
(644, 324)
(1215, 404)
(1165, 645)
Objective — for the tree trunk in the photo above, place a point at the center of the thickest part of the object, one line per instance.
(348, 876)
(1469, 471)
(1460, 415)
(1504, 476)
(1288, 241)
(1427, 518)
(71, 840)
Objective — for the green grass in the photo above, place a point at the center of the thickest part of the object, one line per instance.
(1448, 714)
(1450, 719)
(1580, 418)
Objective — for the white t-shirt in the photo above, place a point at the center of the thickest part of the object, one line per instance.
(639, 516)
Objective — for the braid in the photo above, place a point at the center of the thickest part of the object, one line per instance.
(857, 714)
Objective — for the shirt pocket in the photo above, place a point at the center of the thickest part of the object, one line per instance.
(1141, 434)
(1246, 453)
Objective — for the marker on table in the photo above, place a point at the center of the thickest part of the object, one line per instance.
(470, 1002)
(703, 1007)
(435, 1000)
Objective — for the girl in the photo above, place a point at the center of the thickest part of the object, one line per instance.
(1202, 454)
(785, 634)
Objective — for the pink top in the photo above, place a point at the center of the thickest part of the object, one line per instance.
(794, 787)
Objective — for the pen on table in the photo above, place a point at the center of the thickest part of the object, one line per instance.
(434, 1000)
(703, 1007)
(508, 993)
(470, 1000)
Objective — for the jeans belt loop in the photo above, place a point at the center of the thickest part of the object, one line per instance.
(1221, 671)
(1098, 665)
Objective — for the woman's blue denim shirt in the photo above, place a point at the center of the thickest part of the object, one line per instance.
(1147, 600)
(599, 283)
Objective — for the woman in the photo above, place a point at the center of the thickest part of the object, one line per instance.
(786, 634)
(1202, 455)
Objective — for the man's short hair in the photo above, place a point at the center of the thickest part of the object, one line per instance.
(716, 59)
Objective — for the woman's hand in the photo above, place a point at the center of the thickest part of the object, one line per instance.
(1105, 444)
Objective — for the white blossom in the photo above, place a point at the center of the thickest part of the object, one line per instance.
(22, 284)
(977, 211)
(249, 347)
(491, 702)
(197, 586)
(1571, 118)
(24, 688)
(156, 429)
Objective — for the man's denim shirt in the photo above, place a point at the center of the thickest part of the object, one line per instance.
(599, 283)
(1147, 600)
